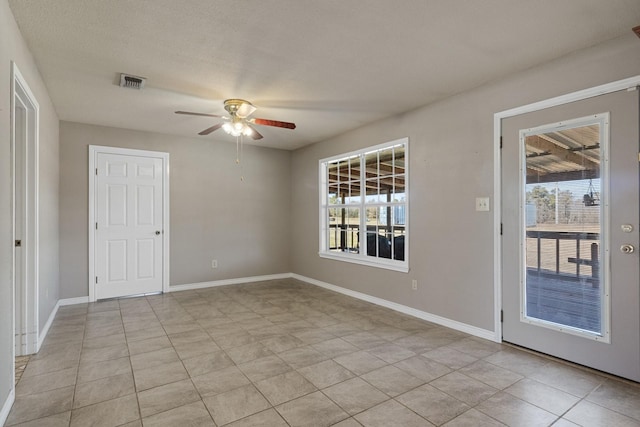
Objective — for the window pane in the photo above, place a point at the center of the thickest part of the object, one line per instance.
(398, 160)
(373, 191)
(386, 162)
(398, 189)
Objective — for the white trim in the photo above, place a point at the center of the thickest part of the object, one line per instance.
(6, 407)
(94, 150)
(30, 276)
(616, 86)
(225, 282)
(443, 321)
(73, 301)
(45, 330)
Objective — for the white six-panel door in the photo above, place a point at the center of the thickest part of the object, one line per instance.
(129, 232)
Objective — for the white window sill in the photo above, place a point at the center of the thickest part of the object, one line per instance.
(400, 266)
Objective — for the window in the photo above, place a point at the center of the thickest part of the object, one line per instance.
(364, 206)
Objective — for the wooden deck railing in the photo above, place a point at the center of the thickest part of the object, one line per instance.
(592, 261)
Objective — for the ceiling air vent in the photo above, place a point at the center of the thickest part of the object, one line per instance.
(131, 82)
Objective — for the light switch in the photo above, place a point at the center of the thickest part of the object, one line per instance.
(482, 204)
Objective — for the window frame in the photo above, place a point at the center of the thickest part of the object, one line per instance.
(324, 224)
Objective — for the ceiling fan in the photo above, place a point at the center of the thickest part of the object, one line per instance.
(238, 123)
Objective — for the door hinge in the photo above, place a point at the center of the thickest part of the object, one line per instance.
(639, 157)
(501, 142)
(501, 316)
(96, 225)
(501, 229)
(96, 171)
(96, 280)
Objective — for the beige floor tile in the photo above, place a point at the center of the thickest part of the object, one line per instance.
(235, 404)
(235, 340)
(432, 404)
(491, 374)
(142, 334)
(220, 381)
(349, 422)
(325, 374)
(193, 349)
(248, 352)
(302, 356)
(473, 418)
(589, 414)
(464, 388)
(519, 361)
(284, 387)
(91, 371)
(268, 418)
(193, 415)
(365, 340)
(46, 382)
(280, 343)
(423, 368)
(355, 395)
(169, 396)
(110, 413)
(335, 347)
(265, 367)
(567, 378)
(391, 380)
(39, 405)
(391, 413)
(622, 397)
(515, 412)
(106, 341)
(391, 353)
(360, 362)
(312, 410)
(57, 420)
(150, 344)
(191, 336)
(154, 358)
(449, 357)
(103, 389)
(543, 396)
(206, 363)
(105, 353)
(159, 375)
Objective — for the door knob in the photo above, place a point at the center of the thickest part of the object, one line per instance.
(627, 249)
(157, 232)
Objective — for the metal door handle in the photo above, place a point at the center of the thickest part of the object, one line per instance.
(157, 232)
(627, 249)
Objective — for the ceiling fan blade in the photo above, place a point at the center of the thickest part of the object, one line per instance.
(276, 123)
(211, 129)
(197, 114)
(245, 110)
(254, 133)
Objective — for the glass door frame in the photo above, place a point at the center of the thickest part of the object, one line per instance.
(630, 83)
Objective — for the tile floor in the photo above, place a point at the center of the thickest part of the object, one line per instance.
(283, 353)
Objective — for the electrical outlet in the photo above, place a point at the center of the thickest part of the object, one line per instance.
(482, 204)
(414, 284)
(214, 263)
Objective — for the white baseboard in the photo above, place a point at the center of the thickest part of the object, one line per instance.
(6, 408)
(73, 301)
(203, 285)
(45, 330)
(443, 321)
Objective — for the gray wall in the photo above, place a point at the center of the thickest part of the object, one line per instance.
(13, 48)
(245, 225)
(451, 163)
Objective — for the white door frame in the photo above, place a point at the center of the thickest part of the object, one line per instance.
(94, 150)
(22, 97)
(625, 84)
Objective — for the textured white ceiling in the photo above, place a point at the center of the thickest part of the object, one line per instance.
(327, 65)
